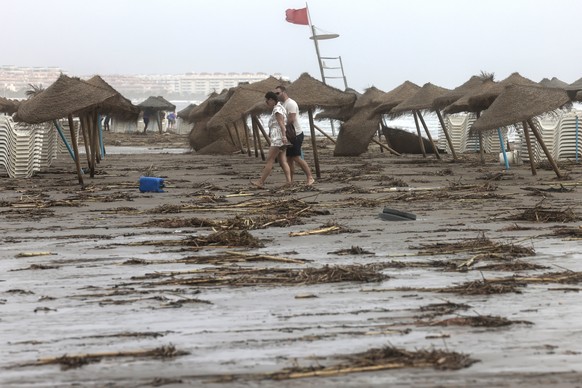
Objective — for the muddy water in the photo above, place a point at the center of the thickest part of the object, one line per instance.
(88, 298)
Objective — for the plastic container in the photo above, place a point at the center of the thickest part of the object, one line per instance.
(149, 184)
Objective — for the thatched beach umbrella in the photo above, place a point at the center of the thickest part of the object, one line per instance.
(8, 106)
(341, 113)
(422, 100)
(310, 93)
(553, 83)
(117, 105)
(357, 132)
(156, 104)
(232, 113)
(453, 95)
(390, 99)
(480, 98)
(184, 113)
(64, 98)
(520, 104)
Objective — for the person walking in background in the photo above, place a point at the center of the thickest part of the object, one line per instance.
(294, 152)
(106, 122)
(146, 119)
(171, 120)
(279, 141)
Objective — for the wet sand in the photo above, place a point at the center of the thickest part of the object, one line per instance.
(108, 270)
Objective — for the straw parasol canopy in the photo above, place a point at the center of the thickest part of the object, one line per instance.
(8, 106)
(483, 99)
(519, 103)
(242, 98)
(346, 112)
(156, 103)
(575, 86)
(448, 98)
(116, 105)
(394, 97)
(554, 83)
(64, 97)
(480, 97)
(356, 133)
(310, 93)
(184, 113)
(210, 106)
(422, 100)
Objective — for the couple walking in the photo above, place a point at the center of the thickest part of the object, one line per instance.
(285, 109)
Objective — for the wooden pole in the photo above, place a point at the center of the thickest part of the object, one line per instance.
(75, 149)
(92, 145)
(84, 130)
(260, 126)
(314, 144)
(159, 119)
(434, 147)
(529, 150)
(95, 118)
(255, 136)
(481, 149)
(242, 149)
(230, 134)
(419, 135)
(258, 137)
(324, 134)
(447, 135)
(246, 128)
(384, 146)
(546, 151)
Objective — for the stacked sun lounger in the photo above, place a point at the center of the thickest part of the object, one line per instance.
(566, 147)
(25, 149)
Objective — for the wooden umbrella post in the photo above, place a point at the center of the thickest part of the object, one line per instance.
(257, 136)
(230, 134)
(434, 147)
(83, 123)
(254, 131)
(546, 151)
(325, 134)
(314, 144)
(447, 135)
(95, 118)
(529, 150)
(75, 149)
(419, 135)
(242, 149)
(248, 141)
(481, 150)
(260, 126)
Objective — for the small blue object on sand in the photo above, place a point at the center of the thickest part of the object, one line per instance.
(151, 184)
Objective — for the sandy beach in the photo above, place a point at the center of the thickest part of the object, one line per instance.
(216, 283)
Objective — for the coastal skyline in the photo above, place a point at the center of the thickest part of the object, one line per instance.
(381, 43)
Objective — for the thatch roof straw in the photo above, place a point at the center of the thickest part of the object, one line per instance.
(310, 93)
(346, 112)
(184, 113)
(117, 105)
(553, 83)
(578, 96)
(458, 92)
(422, 100)
(394, 97)
(156, 103)
(356, 133)
(480, 97)
(575, 86)
(210, 106)
(370, 96)
(8, 106)
(485, 98)
(64, 97)
(243, 98)
(259, 108)
(519, 103)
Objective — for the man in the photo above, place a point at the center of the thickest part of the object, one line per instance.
(294, 152)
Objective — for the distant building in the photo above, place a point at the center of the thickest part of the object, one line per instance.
(14, 81)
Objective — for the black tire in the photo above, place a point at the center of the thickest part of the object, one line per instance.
(398, 214)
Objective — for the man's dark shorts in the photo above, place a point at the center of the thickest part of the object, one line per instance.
(295, 150)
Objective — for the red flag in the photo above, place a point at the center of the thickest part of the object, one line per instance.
(297, 16)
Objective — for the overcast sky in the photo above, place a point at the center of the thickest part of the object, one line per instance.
(382, 43)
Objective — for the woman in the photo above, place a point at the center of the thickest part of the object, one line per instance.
(279, 141)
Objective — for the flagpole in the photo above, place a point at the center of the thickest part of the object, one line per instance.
(316, 45)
